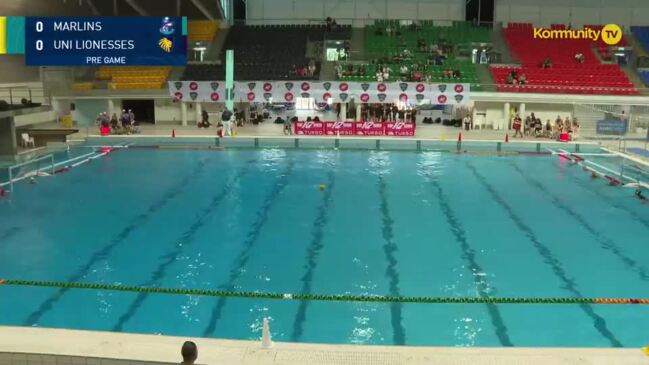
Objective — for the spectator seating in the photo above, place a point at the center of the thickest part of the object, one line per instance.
(268, 52)
(132, 77)
(565, 75)
(466, 68)
(602, 48)
(201, 30)
(567, 79)
(644, 75)
(80, 86)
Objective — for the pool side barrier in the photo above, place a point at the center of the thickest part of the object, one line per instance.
(321, 297)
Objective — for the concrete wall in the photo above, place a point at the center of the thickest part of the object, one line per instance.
(13, 69)
(86, 111)
(351, 11)
(577, 12)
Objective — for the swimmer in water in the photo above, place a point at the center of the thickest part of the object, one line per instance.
(639, 195)
(32, 180)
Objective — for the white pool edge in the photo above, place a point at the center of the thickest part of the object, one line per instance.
(153, 348)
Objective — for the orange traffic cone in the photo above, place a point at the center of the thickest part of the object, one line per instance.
(173, 133)
(507, 138)
(459, 137)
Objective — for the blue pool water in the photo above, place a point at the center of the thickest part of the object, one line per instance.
(388, 223)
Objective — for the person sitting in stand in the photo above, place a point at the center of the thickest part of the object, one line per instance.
(522, 79)
(580, 58)
(510, 80)
(456, 74)
(447, 73)
(547, 63)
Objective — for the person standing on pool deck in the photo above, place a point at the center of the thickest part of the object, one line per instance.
(225, 119)
(189, 352)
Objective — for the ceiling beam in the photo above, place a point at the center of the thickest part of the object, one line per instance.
(203, 9)
(137, 7)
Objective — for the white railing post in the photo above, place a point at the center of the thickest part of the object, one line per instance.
(266, 341)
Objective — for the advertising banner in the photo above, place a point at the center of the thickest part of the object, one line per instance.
(197, 91)
(330, 128)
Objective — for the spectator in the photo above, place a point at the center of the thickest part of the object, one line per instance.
(403, 70)
(457, 74)
(388, 30)
(510, 79)
(189, 352)
(329, 23)
(114, 123)
(205, 123)
(226, 117)
(580, 58)
(522, 79)
(311, 68)
(547, 63)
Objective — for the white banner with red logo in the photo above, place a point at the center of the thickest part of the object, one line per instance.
(328, 128)
(199, 91)
(288, 91)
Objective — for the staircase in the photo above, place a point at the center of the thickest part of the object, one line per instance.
(357, 45)
(486, 81)
(500, 46)
(328, 72)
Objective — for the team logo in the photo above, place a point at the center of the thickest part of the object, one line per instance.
(214, 85)
(365, 97)
(403, 97)
(381, 87)
(289, 86)
(459, 88)
(251, 85)
(403, 86)
(458, 98)
(611, 34)
(441, 88)
(178, 95)
(214, 96)
(419, 97)
(305, 95)
(268, 86)
(267, 96)
(167, 27)
(305, 86)
(288, 97)
(441, 99)
(381, 97)
(326, 96)
(420, 88)
(343, 87)
(193, 95)
(193, 85)
(166, 44)
(343, 96)
(326, 85)
(365, 86)
(178, 85)
(250, 96)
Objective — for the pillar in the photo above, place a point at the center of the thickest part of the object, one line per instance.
(110, 109)
(229, 79)
(183, 114)
(506, 120)
(199, 111)
(8, 146)
(358, 112)
(521, 111)
(343, 111)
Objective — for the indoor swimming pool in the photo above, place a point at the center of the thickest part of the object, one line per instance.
(325, 221)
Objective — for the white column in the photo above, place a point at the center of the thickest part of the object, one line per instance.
(505, 121)
(343, 111)
(358, 112)
(183, 113)
(521, 111)
(111, 107)
(199, 111)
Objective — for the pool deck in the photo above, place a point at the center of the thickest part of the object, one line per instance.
(27, 345)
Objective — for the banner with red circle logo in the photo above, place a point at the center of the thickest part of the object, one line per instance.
(330, 91)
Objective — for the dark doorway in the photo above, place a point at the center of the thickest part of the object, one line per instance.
(480, 10)
(239, 9)
(143, 110)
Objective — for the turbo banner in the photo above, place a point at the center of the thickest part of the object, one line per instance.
(329, 128)
(336, 92)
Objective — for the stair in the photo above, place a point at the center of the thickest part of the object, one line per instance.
(638, 49)
(357, 45)
(633, 76)
(215, 49)
(485, 79)
(328, 72)
(500, 46)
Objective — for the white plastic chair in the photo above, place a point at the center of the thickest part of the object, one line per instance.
(27, 140)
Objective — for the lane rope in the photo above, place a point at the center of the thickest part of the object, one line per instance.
(320, 297)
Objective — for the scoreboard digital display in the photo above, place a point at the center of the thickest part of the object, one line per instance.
(99, 41)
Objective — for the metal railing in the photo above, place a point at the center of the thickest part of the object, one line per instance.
(14, 95)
